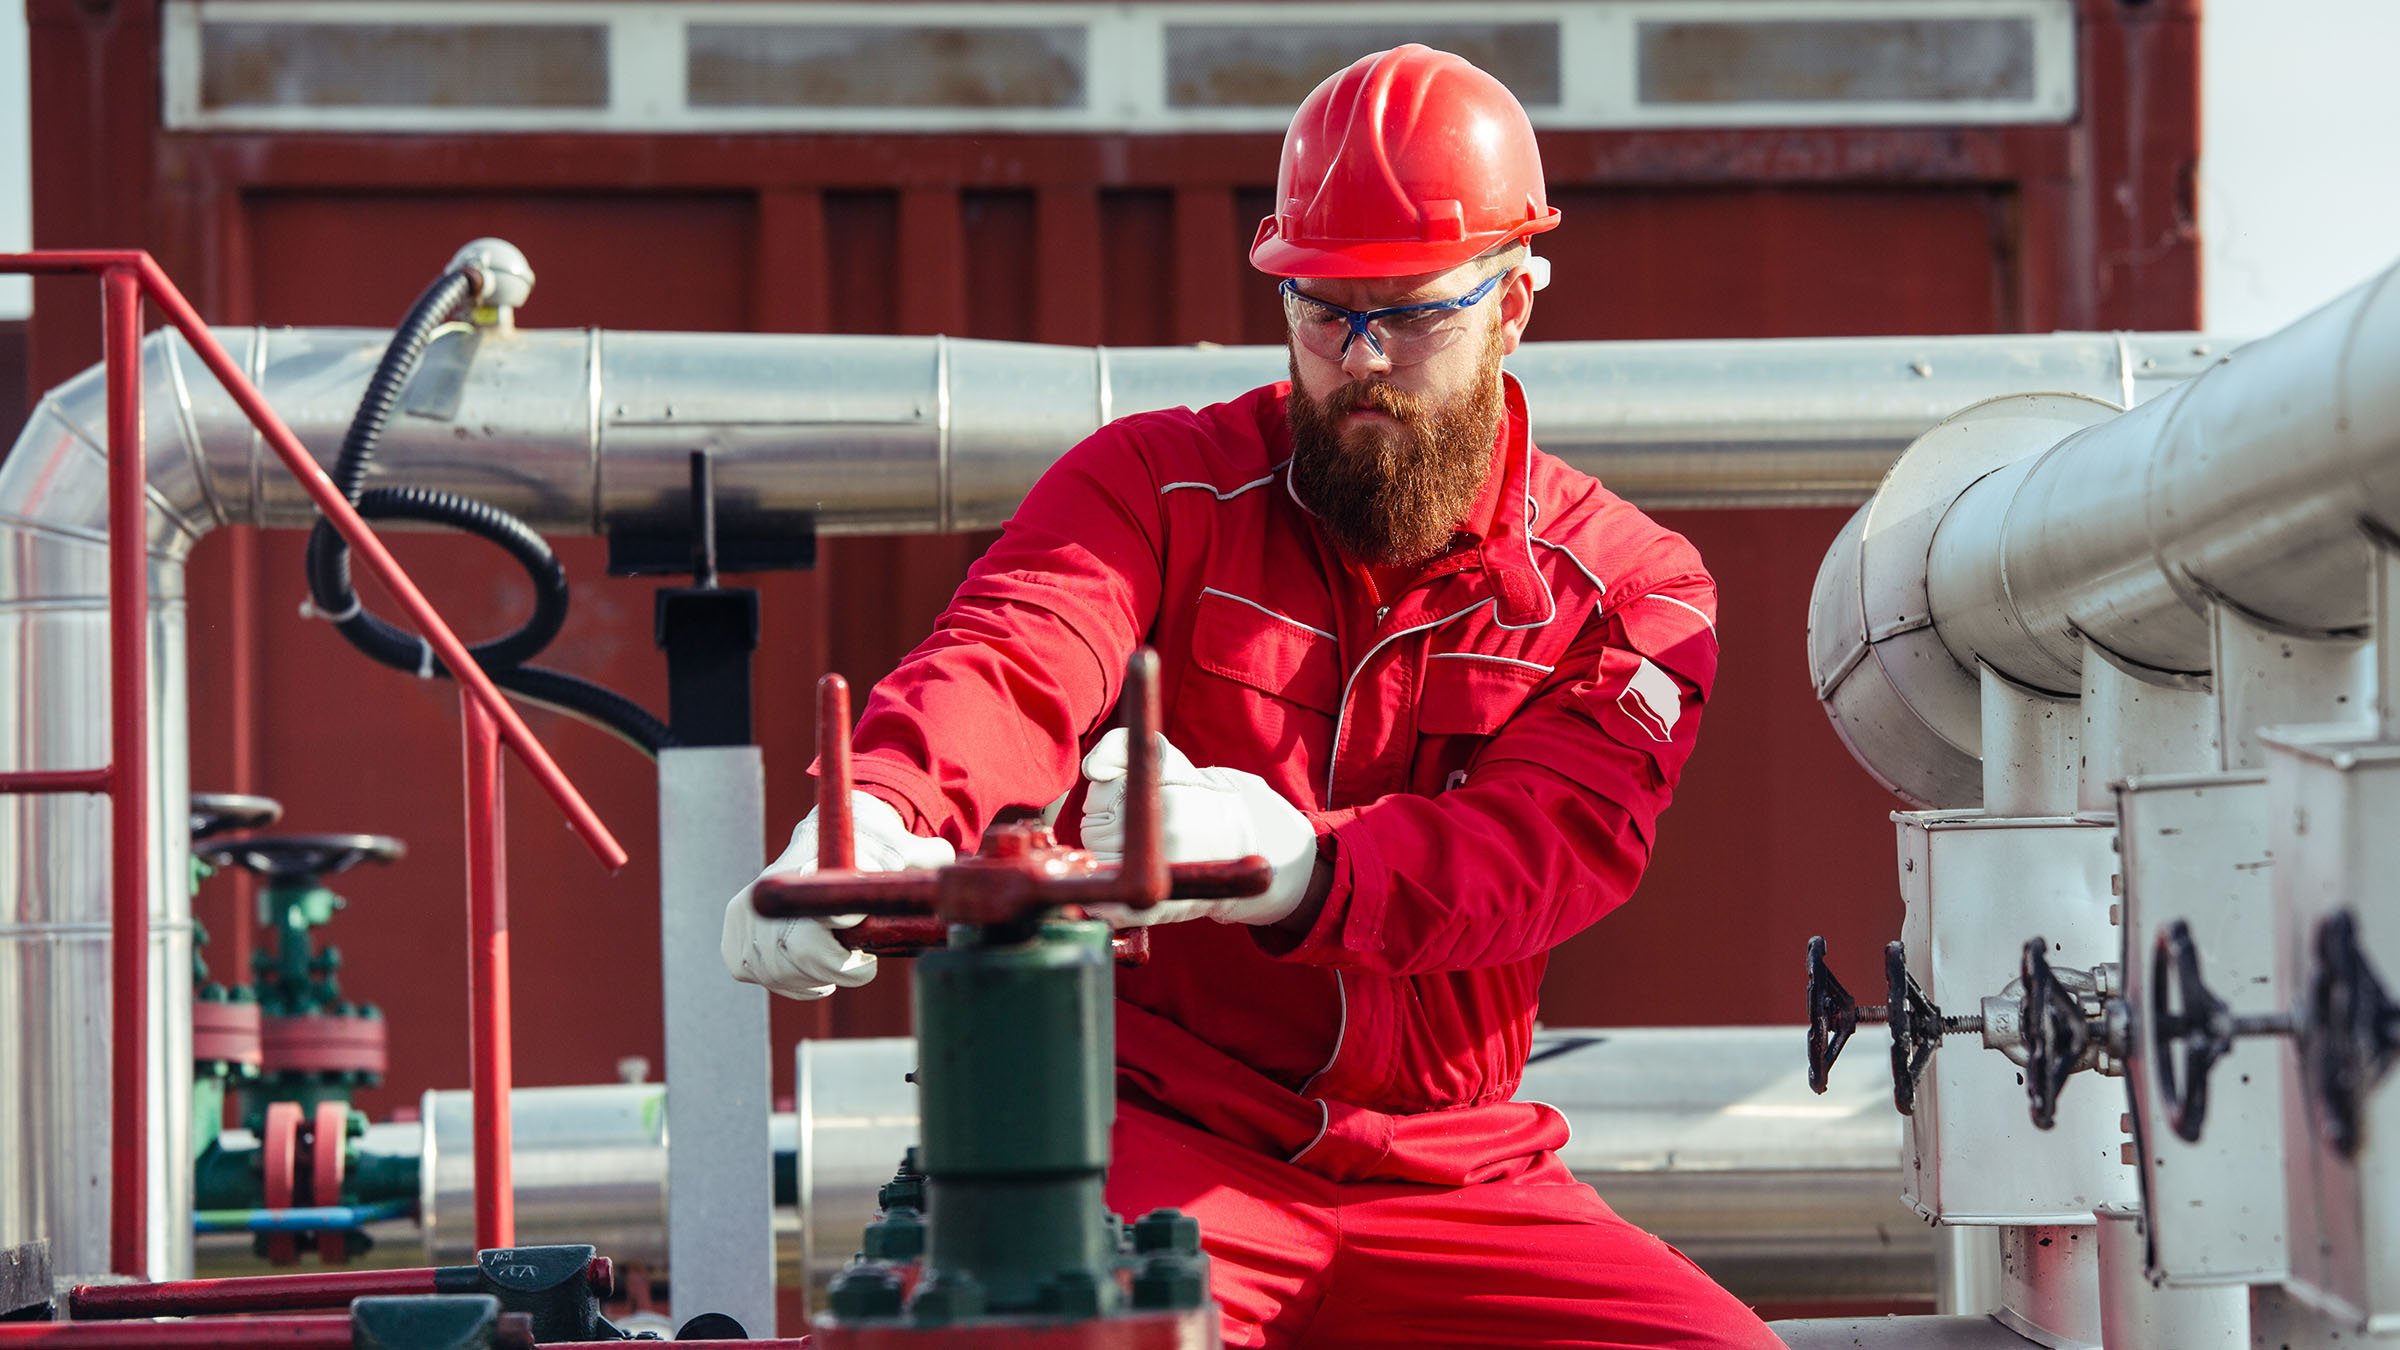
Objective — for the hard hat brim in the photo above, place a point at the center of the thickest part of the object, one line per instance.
(1275, 255)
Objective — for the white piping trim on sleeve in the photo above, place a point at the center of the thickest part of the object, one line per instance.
(1272, 614)
(1683, 604)
(1562, 548)
(1221, 494)
(1479, 656)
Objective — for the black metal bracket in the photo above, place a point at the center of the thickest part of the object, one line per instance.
(708, 632)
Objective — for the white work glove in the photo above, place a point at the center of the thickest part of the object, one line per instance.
(798, 958)
(1210, 815)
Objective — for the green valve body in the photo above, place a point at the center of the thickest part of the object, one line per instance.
(1017, 1084)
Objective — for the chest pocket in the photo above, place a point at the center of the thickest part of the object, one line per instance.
(1269, 652)
(1472, 695)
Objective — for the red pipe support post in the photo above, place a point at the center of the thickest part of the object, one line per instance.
(129, 767)
(487, 981)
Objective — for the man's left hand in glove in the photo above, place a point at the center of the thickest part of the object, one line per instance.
(1210, 815)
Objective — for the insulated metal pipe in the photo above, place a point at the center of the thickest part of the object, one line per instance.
(2257, 485)
(584, 432)
(2024, 529)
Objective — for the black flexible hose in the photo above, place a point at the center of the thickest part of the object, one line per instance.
(332, 594)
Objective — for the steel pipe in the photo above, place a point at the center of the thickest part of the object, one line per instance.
(2256, 485)
(2020, 531)
(583, 432)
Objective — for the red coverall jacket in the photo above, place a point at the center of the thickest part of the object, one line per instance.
(1485, 759)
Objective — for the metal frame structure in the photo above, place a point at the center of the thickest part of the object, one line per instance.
(1124, 61)
(128, 278)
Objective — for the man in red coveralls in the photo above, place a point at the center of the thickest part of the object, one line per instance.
(1443, 682)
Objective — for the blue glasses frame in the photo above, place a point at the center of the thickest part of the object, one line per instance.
(1359, 319)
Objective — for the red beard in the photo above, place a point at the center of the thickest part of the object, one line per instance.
(1394, 492)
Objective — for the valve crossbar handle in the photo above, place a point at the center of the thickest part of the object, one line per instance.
(1020, 873)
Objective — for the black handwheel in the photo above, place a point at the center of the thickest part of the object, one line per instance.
(285, 857)
(2188, 1029)
(215, 813)
(2352, 1033)
(1916, 1027)
(1832, 1016)
(2056, 1032)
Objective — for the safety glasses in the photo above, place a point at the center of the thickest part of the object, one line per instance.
(1401, 334)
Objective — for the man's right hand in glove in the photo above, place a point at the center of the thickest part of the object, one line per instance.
(799, 958)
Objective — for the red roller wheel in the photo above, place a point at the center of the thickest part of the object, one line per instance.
(325, 1175)
(279, 1157)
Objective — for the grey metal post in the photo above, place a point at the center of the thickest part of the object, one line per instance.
(720, 1165)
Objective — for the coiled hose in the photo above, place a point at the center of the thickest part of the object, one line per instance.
(503, 658)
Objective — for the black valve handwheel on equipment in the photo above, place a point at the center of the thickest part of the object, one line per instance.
(2348, 1036)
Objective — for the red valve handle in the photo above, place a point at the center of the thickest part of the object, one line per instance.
(1020, 870)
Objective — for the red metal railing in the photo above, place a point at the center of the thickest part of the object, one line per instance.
(127, 277)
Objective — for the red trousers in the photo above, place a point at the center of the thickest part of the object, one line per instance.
(1534, 1260)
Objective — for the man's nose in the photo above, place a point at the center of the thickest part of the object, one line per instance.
(1362, 359)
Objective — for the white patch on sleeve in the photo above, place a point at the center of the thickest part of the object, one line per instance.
(1653, 701)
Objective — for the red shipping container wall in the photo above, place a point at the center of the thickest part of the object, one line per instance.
(1082, 239)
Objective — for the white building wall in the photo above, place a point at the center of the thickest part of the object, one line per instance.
(2299, 160)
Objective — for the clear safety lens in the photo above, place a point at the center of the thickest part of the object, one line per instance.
(1402, 334)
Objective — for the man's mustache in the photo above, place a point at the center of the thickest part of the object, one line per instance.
(1373, 396)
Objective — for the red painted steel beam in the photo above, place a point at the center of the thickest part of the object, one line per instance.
(129, 766)
(487, 982)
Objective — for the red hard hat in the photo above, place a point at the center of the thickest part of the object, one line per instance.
(1410, 161)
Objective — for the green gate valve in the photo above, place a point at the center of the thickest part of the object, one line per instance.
(1015, 1032)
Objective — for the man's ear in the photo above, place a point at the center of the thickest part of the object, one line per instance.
(1516, 309)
